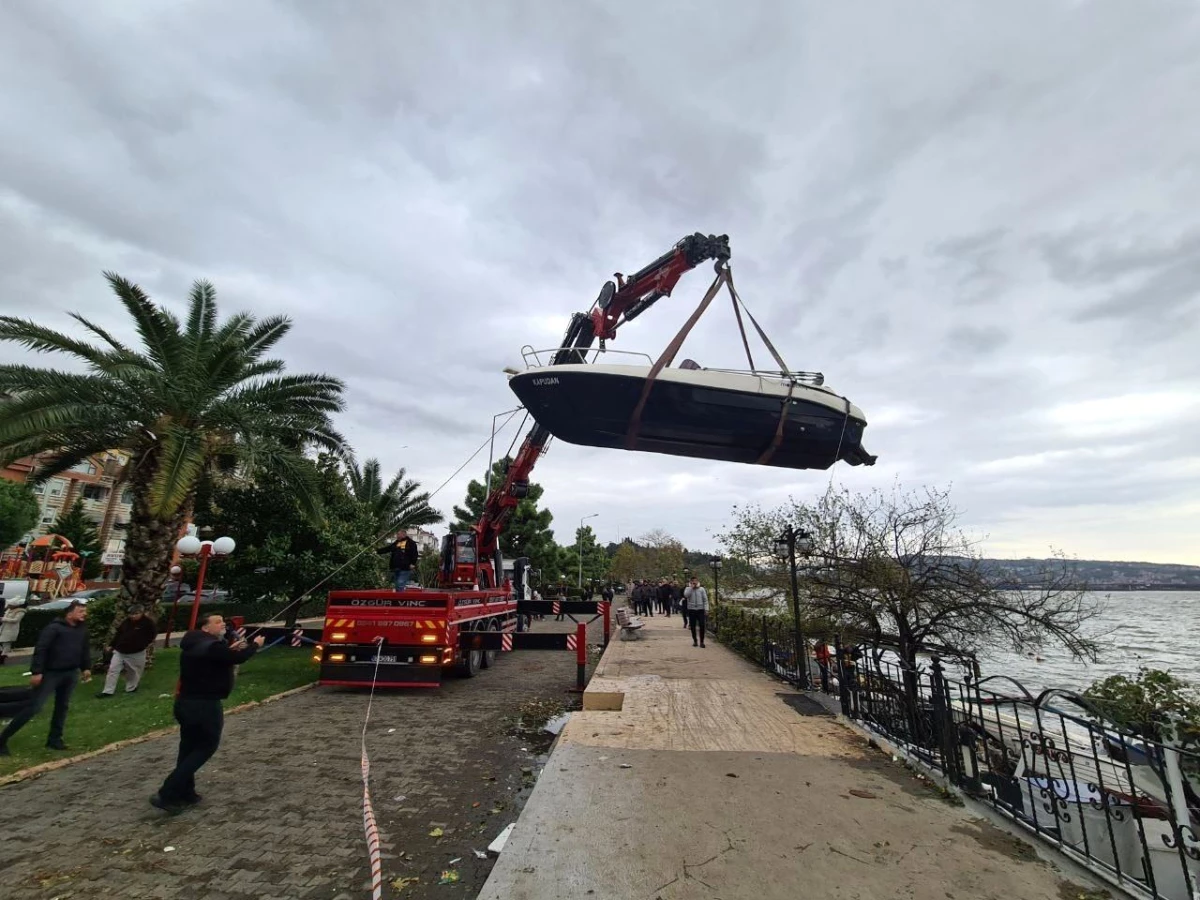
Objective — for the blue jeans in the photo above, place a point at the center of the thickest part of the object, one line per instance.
(402, 577)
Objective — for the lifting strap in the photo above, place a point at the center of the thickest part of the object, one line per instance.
(737, 311)
(762, 334)
(778, 439)
(668, 355)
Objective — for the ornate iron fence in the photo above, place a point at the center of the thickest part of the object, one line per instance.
(1124, 805)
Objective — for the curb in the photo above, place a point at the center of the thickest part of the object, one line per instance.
(42, 768)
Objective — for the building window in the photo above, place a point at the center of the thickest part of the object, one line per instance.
(127, 496)
(56, 488)
(84, 468)
(94, 492)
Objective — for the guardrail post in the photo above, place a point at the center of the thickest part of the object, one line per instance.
(605, 609)
(580, 656)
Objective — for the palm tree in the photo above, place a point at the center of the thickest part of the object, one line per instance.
(399, 505)
(195, 397)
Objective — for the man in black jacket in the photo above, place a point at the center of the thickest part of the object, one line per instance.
(60, 658)
(402, 558)
(206, 665)
(136, 632)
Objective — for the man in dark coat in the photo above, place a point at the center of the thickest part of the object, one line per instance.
(402, 559)
(62, 656)
(206, 666)
(136, 632)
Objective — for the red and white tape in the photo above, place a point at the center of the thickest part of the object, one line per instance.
(296, 635)
(555, 608)
(506, 642)
(572, 642)
(370, 828)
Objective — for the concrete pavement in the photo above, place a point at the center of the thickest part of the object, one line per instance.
(692, 774)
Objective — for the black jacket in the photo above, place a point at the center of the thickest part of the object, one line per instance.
(403, 554)
(60, 648)
(663, 593)
(134, 637)
(206, 665)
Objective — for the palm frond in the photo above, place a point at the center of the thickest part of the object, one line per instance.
(46, 340)
(180, 463)
(158, 329)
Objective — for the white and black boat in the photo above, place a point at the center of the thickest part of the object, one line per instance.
(788, 420)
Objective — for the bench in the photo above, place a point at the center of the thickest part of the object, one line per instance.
(630, 624)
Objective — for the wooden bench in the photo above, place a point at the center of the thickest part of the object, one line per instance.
(630, 624)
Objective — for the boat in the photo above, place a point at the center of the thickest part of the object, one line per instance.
(790, 420)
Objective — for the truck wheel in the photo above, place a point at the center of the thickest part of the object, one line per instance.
(468, 666)
(489, 656)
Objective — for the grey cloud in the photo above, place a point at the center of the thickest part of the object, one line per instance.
(425, 193)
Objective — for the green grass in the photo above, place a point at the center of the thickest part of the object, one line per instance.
(92, 723)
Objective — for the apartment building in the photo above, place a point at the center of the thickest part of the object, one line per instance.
(95, 482)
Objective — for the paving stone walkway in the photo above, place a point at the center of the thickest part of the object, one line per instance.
(281, 816)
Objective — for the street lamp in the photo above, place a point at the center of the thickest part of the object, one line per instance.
(715, 562)
(190, 545)
(786, 547)
(580, 542)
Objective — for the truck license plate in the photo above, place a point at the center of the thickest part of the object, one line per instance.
(383, 659)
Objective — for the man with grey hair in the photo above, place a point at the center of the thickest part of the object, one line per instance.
(136, 632)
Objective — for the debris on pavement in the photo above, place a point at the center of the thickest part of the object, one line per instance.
(626, 766)
(450, 876)
(866, 795)
(479, 854)
(730, 775)
(501, 839)
(399, 884)
(555, 725)
(168, 849)
(437, 832)
(400, 798)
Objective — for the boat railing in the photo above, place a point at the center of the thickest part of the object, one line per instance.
(537, 359)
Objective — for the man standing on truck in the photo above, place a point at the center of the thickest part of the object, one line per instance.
(402, 559)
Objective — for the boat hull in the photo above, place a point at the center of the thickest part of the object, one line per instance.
(592, 407)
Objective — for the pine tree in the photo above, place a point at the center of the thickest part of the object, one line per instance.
(527, 532)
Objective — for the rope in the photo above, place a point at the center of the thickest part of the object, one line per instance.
(370, 827)
(753, 321)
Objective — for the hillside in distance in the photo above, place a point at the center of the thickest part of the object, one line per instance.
(1103, 575)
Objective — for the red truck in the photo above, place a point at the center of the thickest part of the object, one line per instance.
(410, 638)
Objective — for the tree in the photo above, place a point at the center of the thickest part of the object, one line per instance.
(77, 528)
(896, 568)
(281, 552)
(18, 511)
(527, 532)
(625, 562)
(196, 395)
(398, 505)
(595, 560)
(663, 555)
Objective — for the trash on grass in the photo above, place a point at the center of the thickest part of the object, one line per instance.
(437, 832)
(450, 876)
(168, 849)
(400, 798)
(456, 859)
(402, 882)
(479, 854)
(391, 731)
(555, 725)
(626, 766)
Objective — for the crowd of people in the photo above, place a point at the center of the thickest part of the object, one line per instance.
(668, 597)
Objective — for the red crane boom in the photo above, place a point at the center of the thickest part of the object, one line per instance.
(473, 558)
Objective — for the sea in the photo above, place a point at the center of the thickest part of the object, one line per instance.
(1155, 629)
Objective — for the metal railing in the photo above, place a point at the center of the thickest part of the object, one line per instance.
(1125, 806)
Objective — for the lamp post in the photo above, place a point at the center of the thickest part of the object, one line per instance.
(177, 577)
(190, 545)
(715, 562)
(786, 546)
(580, 542)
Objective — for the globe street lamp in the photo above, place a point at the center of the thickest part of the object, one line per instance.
(786, 547)
(190, 545)
(581, 521)
(715, 562)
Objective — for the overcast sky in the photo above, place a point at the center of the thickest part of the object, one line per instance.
(981, 221)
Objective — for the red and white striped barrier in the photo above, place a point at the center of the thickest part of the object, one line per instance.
(506, 642)
(296, 636)
(572, 642)
(556, 609)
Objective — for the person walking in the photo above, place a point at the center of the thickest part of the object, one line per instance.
(136, 632)
(206, 665)
(696, 598)
(60, 659)
(10, 625)
(402, 558)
